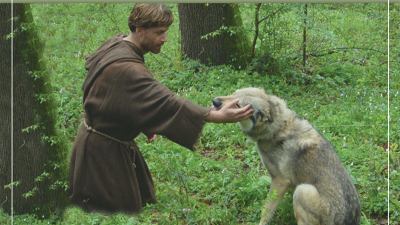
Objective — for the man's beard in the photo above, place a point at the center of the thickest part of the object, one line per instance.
(155, 49)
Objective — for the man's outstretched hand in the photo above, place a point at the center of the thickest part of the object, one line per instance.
(230, 112)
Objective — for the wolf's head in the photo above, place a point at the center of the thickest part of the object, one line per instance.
(270, 112)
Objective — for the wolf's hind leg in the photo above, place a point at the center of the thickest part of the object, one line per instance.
(307, 205)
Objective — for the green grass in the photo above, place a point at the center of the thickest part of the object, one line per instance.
(223, 182)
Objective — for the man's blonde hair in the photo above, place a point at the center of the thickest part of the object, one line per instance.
(149, 15)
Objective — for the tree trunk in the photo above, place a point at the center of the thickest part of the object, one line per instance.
(305, 36)
(257, 29)
(37, 165)
(5, 105)
(213, 34)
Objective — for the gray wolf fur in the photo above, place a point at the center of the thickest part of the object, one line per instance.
(297, 156)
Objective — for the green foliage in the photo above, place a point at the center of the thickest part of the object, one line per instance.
(335, 35)
(343, 94)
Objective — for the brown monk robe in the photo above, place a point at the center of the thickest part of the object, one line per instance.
(122, 99)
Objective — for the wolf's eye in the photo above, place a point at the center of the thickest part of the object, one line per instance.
(259, 113)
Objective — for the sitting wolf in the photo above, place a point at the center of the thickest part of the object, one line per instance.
(296, 155)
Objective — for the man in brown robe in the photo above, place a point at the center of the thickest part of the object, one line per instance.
(122, 99)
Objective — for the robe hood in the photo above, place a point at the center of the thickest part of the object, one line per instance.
(111, 51)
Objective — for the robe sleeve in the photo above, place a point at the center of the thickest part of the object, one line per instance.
(157, 110)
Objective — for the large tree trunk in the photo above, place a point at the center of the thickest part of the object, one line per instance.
(5, 105)
(212, 34)
(37, 165)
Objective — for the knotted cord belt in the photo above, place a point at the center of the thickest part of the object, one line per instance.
(126, 143)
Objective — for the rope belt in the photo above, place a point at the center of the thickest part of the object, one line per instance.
(126, 143)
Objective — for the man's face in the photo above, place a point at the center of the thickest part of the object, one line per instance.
(151, 39)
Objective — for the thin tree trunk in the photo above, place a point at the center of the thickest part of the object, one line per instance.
(257, 28)
(305, 37)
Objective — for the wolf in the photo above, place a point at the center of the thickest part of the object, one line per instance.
(297, 156)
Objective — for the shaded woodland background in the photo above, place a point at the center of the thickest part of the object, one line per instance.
(328, 61)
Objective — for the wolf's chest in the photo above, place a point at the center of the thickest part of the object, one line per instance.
(276, 160)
